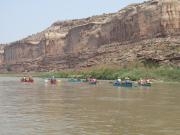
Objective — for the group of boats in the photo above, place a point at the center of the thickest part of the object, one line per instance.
(51, 80)
(128, 83)
(27, 79)
(119, 83)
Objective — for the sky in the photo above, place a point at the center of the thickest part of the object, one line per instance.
(20, 18)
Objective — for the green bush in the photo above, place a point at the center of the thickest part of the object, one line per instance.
(159, 73)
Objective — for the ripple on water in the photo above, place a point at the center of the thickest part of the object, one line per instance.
(73, 109)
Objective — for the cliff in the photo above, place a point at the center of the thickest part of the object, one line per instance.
(2, 53)
(145, 33)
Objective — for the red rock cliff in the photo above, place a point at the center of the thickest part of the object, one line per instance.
(147, 31)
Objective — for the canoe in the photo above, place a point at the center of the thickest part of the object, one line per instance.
(92, 83)
(123, 84)
(74, 80)
(145, 84)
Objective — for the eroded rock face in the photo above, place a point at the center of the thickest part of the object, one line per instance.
(170, 18)
(23, 51)
(2, 53)
(134, 33)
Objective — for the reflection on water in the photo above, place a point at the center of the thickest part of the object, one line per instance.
(82, 109)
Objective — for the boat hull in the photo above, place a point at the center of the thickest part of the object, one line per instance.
(146, 84)
(123, 84)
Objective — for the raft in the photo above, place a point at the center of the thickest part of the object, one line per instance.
(92, 81)
(27, 80)
(145, 84)
(51, 81)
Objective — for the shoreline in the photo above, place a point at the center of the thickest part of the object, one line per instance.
(107, 81)
(160, 74)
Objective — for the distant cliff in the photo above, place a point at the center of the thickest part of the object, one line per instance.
(2, 53)
(143, 33)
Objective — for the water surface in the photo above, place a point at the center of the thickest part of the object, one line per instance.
(82, 109)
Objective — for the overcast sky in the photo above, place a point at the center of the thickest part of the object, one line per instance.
(20, 18)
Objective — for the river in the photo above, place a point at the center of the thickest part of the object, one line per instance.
(82, 109)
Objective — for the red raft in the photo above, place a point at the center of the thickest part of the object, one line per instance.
(53, 81)
(27, 79)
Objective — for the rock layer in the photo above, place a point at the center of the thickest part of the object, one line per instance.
(147, 32)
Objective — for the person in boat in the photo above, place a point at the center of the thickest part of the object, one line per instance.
(24, 78)
(144, 81)
(141, 81)
(118, 81)
(92, 80)
(27, 79)
(148, 81)
(53, 79)
(30, 78)
(127, 80)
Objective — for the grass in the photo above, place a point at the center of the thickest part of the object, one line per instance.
(134, 71)
(157, 73)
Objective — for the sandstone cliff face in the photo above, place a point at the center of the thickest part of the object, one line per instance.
(170, 19)
(2, 53)
(139, 32)
(23, 51)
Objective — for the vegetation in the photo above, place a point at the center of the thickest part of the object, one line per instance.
(157, 73)
(134, 71)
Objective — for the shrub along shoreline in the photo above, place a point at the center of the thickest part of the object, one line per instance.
(167, 74)
(160, 73)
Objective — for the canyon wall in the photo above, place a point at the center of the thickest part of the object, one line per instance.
(2, 53)
(115, 39)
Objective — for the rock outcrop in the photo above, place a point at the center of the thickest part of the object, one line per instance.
(147, 32)
(2, 53)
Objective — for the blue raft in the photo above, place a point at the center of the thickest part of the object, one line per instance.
(123, 84)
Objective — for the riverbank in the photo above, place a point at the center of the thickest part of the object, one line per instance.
(161, 73)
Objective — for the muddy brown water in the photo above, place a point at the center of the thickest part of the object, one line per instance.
(83, 109)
